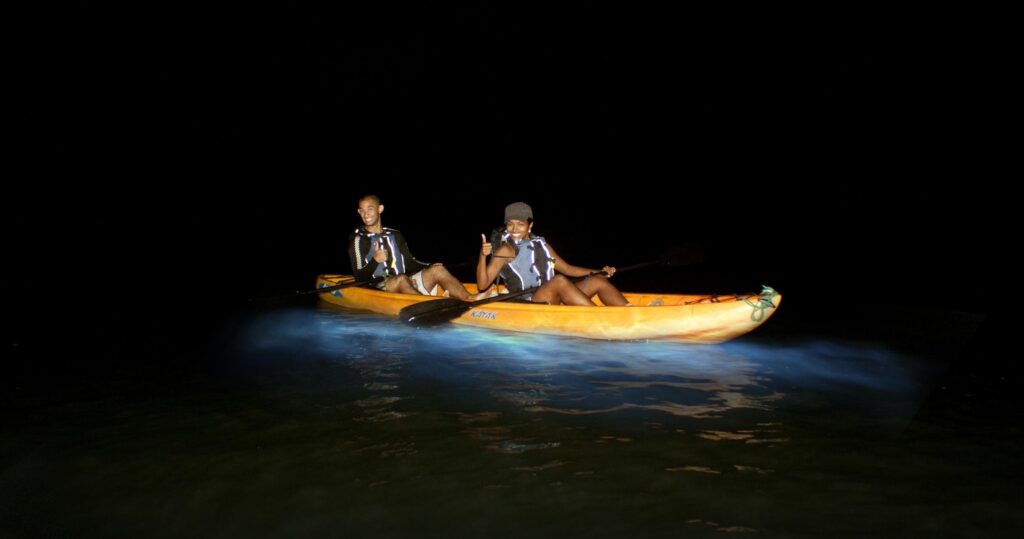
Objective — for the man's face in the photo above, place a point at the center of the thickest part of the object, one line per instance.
(369, 210)
(518, 229)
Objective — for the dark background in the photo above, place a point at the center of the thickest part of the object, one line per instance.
(187, 159)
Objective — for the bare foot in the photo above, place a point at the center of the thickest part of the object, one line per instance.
(489, 293)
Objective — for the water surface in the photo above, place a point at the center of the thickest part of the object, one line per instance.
(318, 422)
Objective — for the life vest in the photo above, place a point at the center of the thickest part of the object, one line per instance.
(532, 266)
(363, 243)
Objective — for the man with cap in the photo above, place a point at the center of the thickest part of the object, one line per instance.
(525, 260)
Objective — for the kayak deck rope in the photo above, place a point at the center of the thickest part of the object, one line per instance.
(715, 298)
(764, 301)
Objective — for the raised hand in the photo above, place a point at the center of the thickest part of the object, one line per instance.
(381, 254)
(485, 248)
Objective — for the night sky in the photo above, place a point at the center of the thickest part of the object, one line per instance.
(186, 160)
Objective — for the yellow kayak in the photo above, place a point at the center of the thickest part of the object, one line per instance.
(678, 317)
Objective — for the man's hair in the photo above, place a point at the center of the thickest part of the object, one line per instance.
(375, 198)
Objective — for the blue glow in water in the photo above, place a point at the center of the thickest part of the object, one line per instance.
(326, 421)
(580, 376)
(831, 365)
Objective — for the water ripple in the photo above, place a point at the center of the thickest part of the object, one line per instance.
(547, 374)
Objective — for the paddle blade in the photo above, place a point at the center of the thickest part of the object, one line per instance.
(432, 312)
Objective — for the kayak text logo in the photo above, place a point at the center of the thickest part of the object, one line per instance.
(483, 314)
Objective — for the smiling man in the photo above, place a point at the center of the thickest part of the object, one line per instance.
(376, 251)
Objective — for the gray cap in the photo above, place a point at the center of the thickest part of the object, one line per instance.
(520, 211)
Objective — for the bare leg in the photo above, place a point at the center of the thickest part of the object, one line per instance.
(600, 285)
(438, 274)
(401, 284)
(561, 290)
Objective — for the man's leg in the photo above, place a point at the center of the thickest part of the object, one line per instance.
(400, 284)
(438, 274)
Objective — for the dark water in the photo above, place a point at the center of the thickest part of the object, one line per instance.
(321, 423)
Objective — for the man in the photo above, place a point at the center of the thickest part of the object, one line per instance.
(376, 251)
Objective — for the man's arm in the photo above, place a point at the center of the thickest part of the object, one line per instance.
(411, 264)
(356, 254)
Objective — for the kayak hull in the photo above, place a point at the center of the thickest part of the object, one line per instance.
(677, 317)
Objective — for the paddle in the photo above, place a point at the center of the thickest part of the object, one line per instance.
(444, 310)
(349, 284)
(301, 293)
(375, 280)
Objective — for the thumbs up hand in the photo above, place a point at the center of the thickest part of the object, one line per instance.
(380, 254)
(485, 246)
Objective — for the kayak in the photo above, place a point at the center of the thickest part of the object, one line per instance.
(675, 317)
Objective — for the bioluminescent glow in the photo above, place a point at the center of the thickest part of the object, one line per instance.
(548, 374)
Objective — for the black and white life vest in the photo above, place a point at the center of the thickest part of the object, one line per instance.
(532, 266)
(363, 244)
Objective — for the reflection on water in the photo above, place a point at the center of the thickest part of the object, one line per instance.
(324, 423)
(491, 382)
(546, 374)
